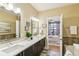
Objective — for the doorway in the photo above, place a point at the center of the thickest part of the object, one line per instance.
(54, 38)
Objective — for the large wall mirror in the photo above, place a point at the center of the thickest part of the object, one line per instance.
(34, 26)
(9, 21)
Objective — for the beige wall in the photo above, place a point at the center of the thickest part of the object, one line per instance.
(70, 17)
(9, 18)
(70, 13)
(26, 12)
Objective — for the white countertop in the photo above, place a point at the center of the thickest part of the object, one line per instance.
(21, 43)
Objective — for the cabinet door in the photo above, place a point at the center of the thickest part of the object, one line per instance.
(39, 47)
(29, 51)
(20, 54)
(35, 49)
(44, 42)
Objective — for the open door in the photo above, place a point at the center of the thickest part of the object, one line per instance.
(55, 32)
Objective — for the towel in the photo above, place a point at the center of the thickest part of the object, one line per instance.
(68, 53)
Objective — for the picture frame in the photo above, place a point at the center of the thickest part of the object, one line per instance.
(27, 25)
(44, 25)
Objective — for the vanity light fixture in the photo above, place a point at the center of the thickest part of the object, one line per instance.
(9, 7)
(17, 10)
(1, 4)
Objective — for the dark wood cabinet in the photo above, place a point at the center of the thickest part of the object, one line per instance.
(33, 50)
(28, 51)
(20, 54)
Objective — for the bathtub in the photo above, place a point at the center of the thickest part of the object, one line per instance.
(69, 50)
(72, 50)
(76, 49)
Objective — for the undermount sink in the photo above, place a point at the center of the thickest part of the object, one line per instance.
(13, 48)
(4, 46)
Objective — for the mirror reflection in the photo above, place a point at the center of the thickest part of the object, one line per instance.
(34, 26)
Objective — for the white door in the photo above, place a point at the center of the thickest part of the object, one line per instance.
(55, 31)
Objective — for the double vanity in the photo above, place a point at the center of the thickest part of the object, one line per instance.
(23, 46)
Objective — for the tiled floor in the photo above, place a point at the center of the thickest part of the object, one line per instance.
(52, 51)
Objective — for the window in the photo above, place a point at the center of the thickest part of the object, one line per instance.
(54, 28)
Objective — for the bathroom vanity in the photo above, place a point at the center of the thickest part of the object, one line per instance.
(24, 47)
(33, 50)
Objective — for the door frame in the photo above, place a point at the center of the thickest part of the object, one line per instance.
(61, 30)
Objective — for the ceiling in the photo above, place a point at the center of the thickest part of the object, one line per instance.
(46, 6)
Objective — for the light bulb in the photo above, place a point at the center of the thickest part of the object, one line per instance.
(1, 4)
(17, 10)
(9, 7)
